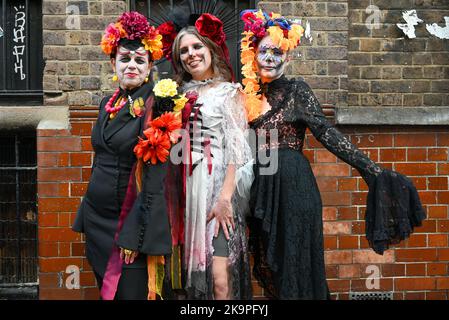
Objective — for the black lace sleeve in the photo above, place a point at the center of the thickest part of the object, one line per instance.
(332, 139)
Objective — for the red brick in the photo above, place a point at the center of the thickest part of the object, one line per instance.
(86, 173)
(415, 269)
(58, 174)
(428, 197)
(339, 285)
(331, 271)
(336, 198)
(437, 212)
(330, 242)
(417, 240)
(64, 249)
(364, 244)
(436, 295)
(349, 271)
(443, 197)
(359, 198)
(427, 226)
(416, 154)
(437, 269)
(415, 140)
(78, 189)
(91, 294)
(58, 234)
(410, 255)
(416, 169)
(48, 280)
(81, 128)
(392, 155)
(48, 219)
(78, 249)
(347, 213)
(335, 228)
(443, 283)
(348, 184)
(415, 295)
(437, 240)
(338, 257)
(348, 242)
(443, 168)
(325, 156)
(64, 220)
(59, 204)
(86, 144)
(372, 140)
(438, 183)
(437, 154)
(327, 184)
(329, 213)
(362, 285)
(52, 132)
(443, 225)
(81, 159)
(369, 256)
(53, 189)
(58, 144)
(48, 249)
(60, 294)
(331, 170)
(443, 254)
(443, 139)
(393, 270)
(310, 155)
(358, 227)
(414, 284)
(419, 182)
(87, 279)
(57, 264)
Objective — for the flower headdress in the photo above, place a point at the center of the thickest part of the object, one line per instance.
(132, 26)
(284, 33)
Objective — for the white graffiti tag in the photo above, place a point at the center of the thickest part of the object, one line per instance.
(19, 38)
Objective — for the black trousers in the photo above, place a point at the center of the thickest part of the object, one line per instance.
(133, 284)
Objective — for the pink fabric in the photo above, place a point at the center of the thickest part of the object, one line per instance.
(114, 267)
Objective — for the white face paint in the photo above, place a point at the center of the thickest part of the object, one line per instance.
(271, 60)
(195, 57)
(131, 67)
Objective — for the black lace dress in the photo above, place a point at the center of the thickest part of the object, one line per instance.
(286, 228)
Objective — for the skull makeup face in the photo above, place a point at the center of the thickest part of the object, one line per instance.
(271, 60)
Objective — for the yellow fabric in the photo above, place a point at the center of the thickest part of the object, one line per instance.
(155, 265)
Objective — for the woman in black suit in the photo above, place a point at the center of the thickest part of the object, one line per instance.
(133, 46)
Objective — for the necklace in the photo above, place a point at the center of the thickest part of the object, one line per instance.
(118, 105)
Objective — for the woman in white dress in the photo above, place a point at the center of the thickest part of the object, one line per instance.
(216, 259)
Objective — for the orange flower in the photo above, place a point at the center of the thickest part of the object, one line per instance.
(155, 148)
(168, 124)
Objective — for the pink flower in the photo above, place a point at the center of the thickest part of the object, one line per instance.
(135, 24)
(258, 28)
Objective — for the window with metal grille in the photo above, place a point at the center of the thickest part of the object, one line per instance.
(21, 63)
(18, 221)
(153, 7)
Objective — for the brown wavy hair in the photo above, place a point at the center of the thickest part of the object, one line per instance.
(220, 68)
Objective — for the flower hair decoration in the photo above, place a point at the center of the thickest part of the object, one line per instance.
(284, 33)
(132, 26)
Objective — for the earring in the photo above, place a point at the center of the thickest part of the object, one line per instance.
(146, 79)
(114, 78)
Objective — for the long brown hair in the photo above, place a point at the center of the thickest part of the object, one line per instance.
(220, 68)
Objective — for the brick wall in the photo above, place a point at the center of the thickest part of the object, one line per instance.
(77, 75)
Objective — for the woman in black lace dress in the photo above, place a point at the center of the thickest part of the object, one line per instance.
(286, 228)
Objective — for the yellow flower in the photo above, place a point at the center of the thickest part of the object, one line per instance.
(180, 103)
(154, 45)
(259, 15)
(276, 35)
(275, 15)
(165, 88)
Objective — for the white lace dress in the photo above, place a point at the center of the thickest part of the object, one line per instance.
(217, 128)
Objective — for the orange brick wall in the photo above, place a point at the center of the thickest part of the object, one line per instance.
(415, 269)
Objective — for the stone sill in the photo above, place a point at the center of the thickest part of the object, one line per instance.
(38, 117)
(425, 116)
